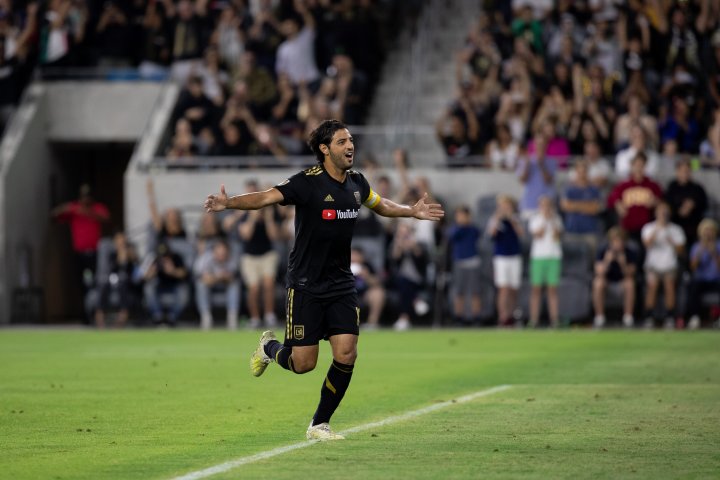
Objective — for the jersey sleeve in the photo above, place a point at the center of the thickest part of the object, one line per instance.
(295, 190)
(370, 198)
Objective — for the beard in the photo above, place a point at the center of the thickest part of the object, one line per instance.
(340, 161)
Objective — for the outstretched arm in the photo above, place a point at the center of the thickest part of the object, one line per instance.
(421, 210)
(246, 201)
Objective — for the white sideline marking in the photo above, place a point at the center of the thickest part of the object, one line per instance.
(224, 467)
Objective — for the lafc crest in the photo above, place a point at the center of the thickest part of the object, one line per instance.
(357, 197)
(298, 332)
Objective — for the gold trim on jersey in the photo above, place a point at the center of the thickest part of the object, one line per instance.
(372, 200)
(316, 170)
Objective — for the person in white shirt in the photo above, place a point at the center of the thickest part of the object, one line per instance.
(664, 241)
(638, 143)
(546, 227)
(296, 55)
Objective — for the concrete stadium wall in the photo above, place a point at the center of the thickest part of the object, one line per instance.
(99, 111)
(24, 195)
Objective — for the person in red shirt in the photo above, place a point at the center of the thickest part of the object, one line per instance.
(85, 217)
(635, 199)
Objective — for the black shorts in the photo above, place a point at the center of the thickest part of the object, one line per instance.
(310, 319)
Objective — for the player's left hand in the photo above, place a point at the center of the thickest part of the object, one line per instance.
(427, 211)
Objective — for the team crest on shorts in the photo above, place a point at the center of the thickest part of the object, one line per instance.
(357, 197)
(299, 332)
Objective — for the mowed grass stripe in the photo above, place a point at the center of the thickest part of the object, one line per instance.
(233, 464)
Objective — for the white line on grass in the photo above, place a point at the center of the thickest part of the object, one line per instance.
(224, 467)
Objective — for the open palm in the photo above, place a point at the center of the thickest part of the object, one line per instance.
(217, 203)
(427, 211)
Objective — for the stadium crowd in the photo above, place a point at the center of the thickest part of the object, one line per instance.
(539, 83)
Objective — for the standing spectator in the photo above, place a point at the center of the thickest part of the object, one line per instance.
(599, 170)
(688, 201)
(582, 204)
(86, 217)
(537, 173)
(165, 275)
(635, 115)
(409, 260)
(545, 258)
(217, 272)
(195, 106)
(635, 199)
(705, 268)
(164, 226)
(615, 267)
(451, 130)
(663, 241)
(258, 230)
(680, 126)
(638, 144)
(121, 279)
(296, 55)
(113, 35)
(505, 230)
(189, 31)
(503, 151)
(369, 287)
(463, 239)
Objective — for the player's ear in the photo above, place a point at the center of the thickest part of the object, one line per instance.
(324, 149)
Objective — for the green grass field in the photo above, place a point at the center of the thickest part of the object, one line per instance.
(157, 404)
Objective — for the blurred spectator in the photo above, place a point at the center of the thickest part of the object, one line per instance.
(189, 29)
(370, 290)
(582, 204)
(505, 230)
(546, 227)
(195, 106)
(296, 55)
(503, 151)
(122, 280)
(687, 199)
(705, 268)
(452, 132)
(635, 115)
(537, 173)
(165, 226)
(166, 289)
(258, 82)
(615, 268)
(598, 169)
(208, 233)
(634, 200)
(258, 230)
(463, 238)
(710, 147)
(638, 144)
(663, 242)
(678, 125)
(62, 29)
(409, 260)
(216, 272)
(16, 45)
(113, 34)
(86, 218)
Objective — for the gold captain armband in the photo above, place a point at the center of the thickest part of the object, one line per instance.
(372, 200)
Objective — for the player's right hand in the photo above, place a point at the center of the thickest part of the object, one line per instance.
(217, 203)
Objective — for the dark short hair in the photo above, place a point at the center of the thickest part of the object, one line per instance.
(322, 135)
(640, 156)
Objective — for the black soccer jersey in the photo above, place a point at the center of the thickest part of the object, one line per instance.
(325, 214)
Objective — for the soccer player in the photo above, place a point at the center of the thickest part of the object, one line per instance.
(321, 299)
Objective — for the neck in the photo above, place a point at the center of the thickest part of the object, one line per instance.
(334, 172)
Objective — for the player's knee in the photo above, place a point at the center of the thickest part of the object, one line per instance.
(348, 357)
(304, 365)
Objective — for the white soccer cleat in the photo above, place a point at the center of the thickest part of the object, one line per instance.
(322, 432)
(259, 360)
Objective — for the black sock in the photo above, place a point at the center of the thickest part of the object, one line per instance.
(334, 387)
(280, 353)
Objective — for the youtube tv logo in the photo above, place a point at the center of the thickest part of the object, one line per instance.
(329, 214)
